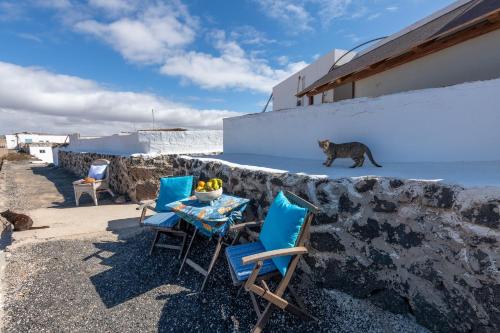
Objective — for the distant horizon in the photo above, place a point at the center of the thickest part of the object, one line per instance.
(100, 67)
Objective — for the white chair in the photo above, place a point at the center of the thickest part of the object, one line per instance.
(99, 170)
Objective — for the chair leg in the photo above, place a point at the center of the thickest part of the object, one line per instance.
(263, 319)
(187, 251)
(212, 263)
(94, 196)
(184, 239)
(77, 198)
(157, 237)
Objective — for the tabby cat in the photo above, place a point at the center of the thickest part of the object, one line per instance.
(354, 150)
(20, 222)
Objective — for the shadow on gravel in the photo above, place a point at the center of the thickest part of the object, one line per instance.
(133, 272)
(63, 182)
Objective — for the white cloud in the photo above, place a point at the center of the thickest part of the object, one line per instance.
(162, 33)
(233, 68)
(392, 8)
(292, 13)
(115, 6)
(54, 102)
(153, 34)
(299, 15)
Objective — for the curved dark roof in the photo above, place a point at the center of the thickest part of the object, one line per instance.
(449, 22)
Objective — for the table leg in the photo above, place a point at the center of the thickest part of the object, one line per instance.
(212, 263)
(187, 251)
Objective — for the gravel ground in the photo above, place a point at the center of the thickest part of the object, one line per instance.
(115, 286)
(102, 284)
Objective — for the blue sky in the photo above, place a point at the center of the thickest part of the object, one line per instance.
(100, 66)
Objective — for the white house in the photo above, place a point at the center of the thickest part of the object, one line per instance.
(284, 93)
(42, 151)
(429, 93)
(15, 141)
(457, 44)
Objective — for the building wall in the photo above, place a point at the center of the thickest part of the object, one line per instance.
(14, 140)
(151, 142)
(284, 93)
(457, 123)
(42, 153)
(473, 60)
(421, 247)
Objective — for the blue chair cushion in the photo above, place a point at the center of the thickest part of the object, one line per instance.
(162, 220)
(173, 189)
(281, 228)
(235, 253)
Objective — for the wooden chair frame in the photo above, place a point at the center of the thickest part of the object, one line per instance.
(256, 285)
(144, 206)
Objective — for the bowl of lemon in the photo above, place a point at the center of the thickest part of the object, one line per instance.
(208, 191)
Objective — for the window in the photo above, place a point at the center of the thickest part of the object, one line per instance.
(42, 151)
(28, 141)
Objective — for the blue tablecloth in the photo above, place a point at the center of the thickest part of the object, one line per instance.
(210, 218)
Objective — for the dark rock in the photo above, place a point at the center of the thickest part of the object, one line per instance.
(365, 185)
(234, 181)
(366, 232)
(322, 218)
(486, 214)
(146, 191)
(384, 206)
(381, 259)
(347, 206)
(395, 183)
(397, 235)
(390, 300)
(326, 242)
(438, 196)
(276, 181)
(348, 276)
(323, 197)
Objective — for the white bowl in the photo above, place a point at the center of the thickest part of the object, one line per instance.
(208, 196)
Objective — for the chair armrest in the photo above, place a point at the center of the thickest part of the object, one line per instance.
(239, 226)
(273, 254)
(146, 204)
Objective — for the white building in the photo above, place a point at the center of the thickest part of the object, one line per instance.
(284, 93)
(15, 141)
(150, 142)
(42, 151)
(429, 93)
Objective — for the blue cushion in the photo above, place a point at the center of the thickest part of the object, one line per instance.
(281, 228)
(173, 189)
(235, 253)
(97, 171)
(162, 220)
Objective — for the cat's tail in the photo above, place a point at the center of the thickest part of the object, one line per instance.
(40, 227)
(370, 157)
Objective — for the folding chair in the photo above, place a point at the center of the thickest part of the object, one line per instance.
(165, 221)
(281, 244)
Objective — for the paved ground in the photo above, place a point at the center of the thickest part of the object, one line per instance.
(90, 272)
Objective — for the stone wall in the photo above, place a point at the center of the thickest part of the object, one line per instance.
(134, 177)
(416, 247)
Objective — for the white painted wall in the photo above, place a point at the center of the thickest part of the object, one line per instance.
(14, 140)
(473, 60)
(150, 142)
(457, 123)
(284, 92)
(42, 153)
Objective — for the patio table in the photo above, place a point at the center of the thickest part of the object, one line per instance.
(212, 219)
